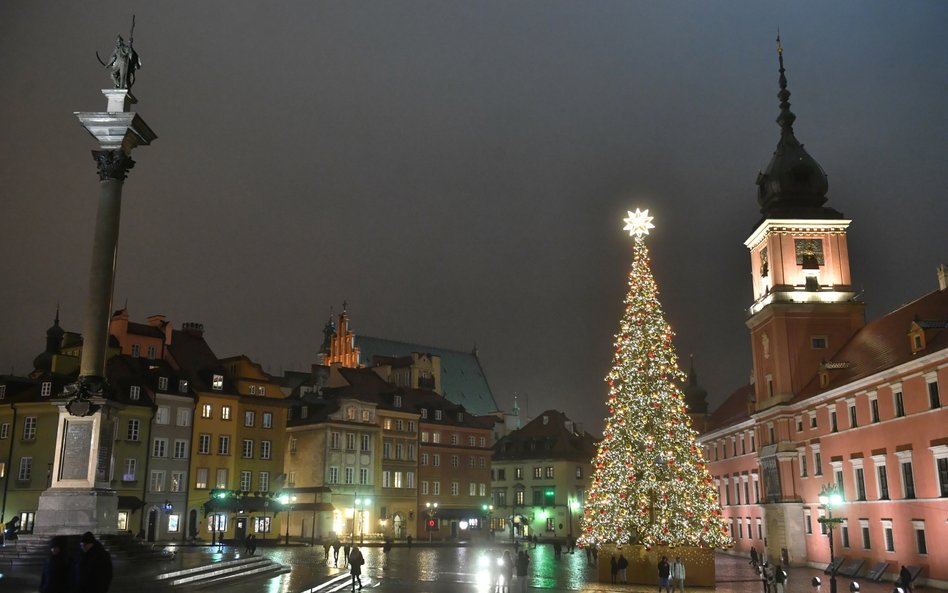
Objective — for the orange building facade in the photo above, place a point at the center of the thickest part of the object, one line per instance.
(833, 401)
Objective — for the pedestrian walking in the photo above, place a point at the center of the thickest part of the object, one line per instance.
(336, 544)
(780, 579)
(664, 574)
(678, 574)
(55, 577)
(326, 548)
(905, 579)
(355, 566)
(346, 551)
(251, 544)
(408, 540)
(613, 569)
(623, 566)
(523, 564)
(755, 559)
(507, 570)
(91, 568)
(557, 549)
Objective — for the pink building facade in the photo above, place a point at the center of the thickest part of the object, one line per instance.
(833, 400)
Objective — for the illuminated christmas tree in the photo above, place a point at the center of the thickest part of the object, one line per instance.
(650, 483)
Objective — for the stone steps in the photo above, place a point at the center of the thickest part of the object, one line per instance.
(226, 570)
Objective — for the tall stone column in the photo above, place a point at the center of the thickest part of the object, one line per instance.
(81, 497)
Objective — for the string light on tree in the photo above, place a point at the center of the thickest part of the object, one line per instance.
(650, 483)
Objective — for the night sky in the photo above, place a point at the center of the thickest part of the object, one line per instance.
(458, 171)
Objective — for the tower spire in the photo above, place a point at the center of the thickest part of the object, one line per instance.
(786, 117)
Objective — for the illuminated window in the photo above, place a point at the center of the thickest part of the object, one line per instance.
(156, 482)
(122, 521)
(225, 412)
(200, 478)
(207, 411)
(131, 464)
(174, 522)
(250, 418)
(218, 382)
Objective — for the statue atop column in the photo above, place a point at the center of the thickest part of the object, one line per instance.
(123, 62)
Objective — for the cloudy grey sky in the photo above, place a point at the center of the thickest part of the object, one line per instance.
(458, 171)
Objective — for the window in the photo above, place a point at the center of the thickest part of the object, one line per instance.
(225, 412)
(887, 535)
(799, 424)
(266, 450)
(180, 449)
(860, 484)
(366, 442)
(350, 441)
(128, 473)
(159, 448)
(207, 411)
(250, 417)
(424, 486)
(350, 475)
(411, 426)
(760, 529)
(411, 451)
(134, 392)
(136, 350)
(29, 428)
(25, 471)
(455, 488)
(5, 430)
(409, 479)
(386, 479)
(264, 481)
(334, 442)
(436, 488)
(518, 473)
(803, 466)
(424, 412)
(472, 462)
(435, 437)
(399, 451)
(549, 472)
(364, 476)
(217, 383)
(3, 391)
(882, 479)
(423, 459)
(174, 523)
(221, 478)
(833, 425)
(247, 449)
(183, 386)
(245, 478)
(852, 416)
(200, 478)
(812, 419)
(537, 472)
(204, 443)
(579, 472)
(482, 441)
(817, 461)
(156, 482)
(920, 544)
(436, 459)
(756, 489)
(864, 527)
(454, 438)
(908, 477)
(177, 481)
(223, 445)
(183, 417)
(333, 477)
(133, 428)
(437, 414)
(163, 415)
(398, 478)
(400, 425)
(350, 413)
(933, 399)
(807, 522)
(844, 533)
(818, 342)
(366, 415)
(899, 404)
(874, 409)
(397, 401)
(151, 352)
(455, 461)
(268, 420)
(941, 467)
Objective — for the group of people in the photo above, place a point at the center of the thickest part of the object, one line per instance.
(670, 576)
(87, 571)
(502, 577)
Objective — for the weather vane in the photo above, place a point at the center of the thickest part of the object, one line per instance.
(123, 62)
(638, 223)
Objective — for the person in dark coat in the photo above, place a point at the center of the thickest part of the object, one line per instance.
(91, 567)
(336, 544)
(664, 574)
(613, 569)
(355, 566)
(55, 577)
(905, 579)
(523, 564)
(623, 566)
(345, 553)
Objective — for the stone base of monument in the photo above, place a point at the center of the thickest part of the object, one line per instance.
(643, 564)
(68, 511)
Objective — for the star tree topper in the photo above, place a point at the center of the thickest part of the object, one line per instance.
(638, 223)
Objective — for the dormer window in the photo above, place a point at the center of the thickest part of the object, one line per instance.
(252, 389)
(916, 338)
(163, 383)
(424, 412)
(460, 416)
(183, 386)
(46, 389)
(437, 414)
(218, 382)
(397, 401)
(134, 392)
(3, 391)
(818, 342)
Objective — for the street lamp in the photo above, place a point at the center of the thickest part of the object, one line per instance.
(287, 500)
(488, 513)
(830, 497)
(431, 509)
(361, 503)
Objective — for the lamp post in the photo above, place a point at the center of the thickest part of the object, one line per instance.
(361, 504)
(571, 505)
(829, 498)
(431, 510)
(488, 513)
(287, 502)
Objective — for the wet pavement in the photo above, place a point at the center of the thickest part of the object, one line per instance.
(422, 569)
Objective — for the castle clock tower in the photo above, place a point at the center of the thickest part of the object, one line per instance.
(804, 306)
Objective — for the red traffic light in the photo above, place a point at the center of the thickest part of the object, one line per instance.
(431, 524)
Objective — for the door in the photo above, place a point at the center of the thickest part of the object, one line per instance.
(240, 528)
(152, 524)
(193, 523)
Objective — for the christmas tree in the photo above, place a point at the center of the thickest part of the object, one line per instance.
(650, 484)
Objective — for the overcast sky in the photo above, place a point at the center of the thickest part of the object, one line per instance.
(459, 171)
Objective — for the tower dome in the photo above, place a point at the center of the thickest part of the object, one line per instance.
(793, 185)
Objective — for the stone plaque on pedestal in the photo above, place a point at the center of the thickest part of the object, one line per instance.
(75, 451)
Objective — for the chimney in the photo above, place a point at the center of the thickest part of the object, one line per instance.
(942, 277)
(157, 320)
(195, 329)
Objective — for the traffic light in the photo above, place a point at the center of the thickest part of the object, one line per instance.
(430, 525)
